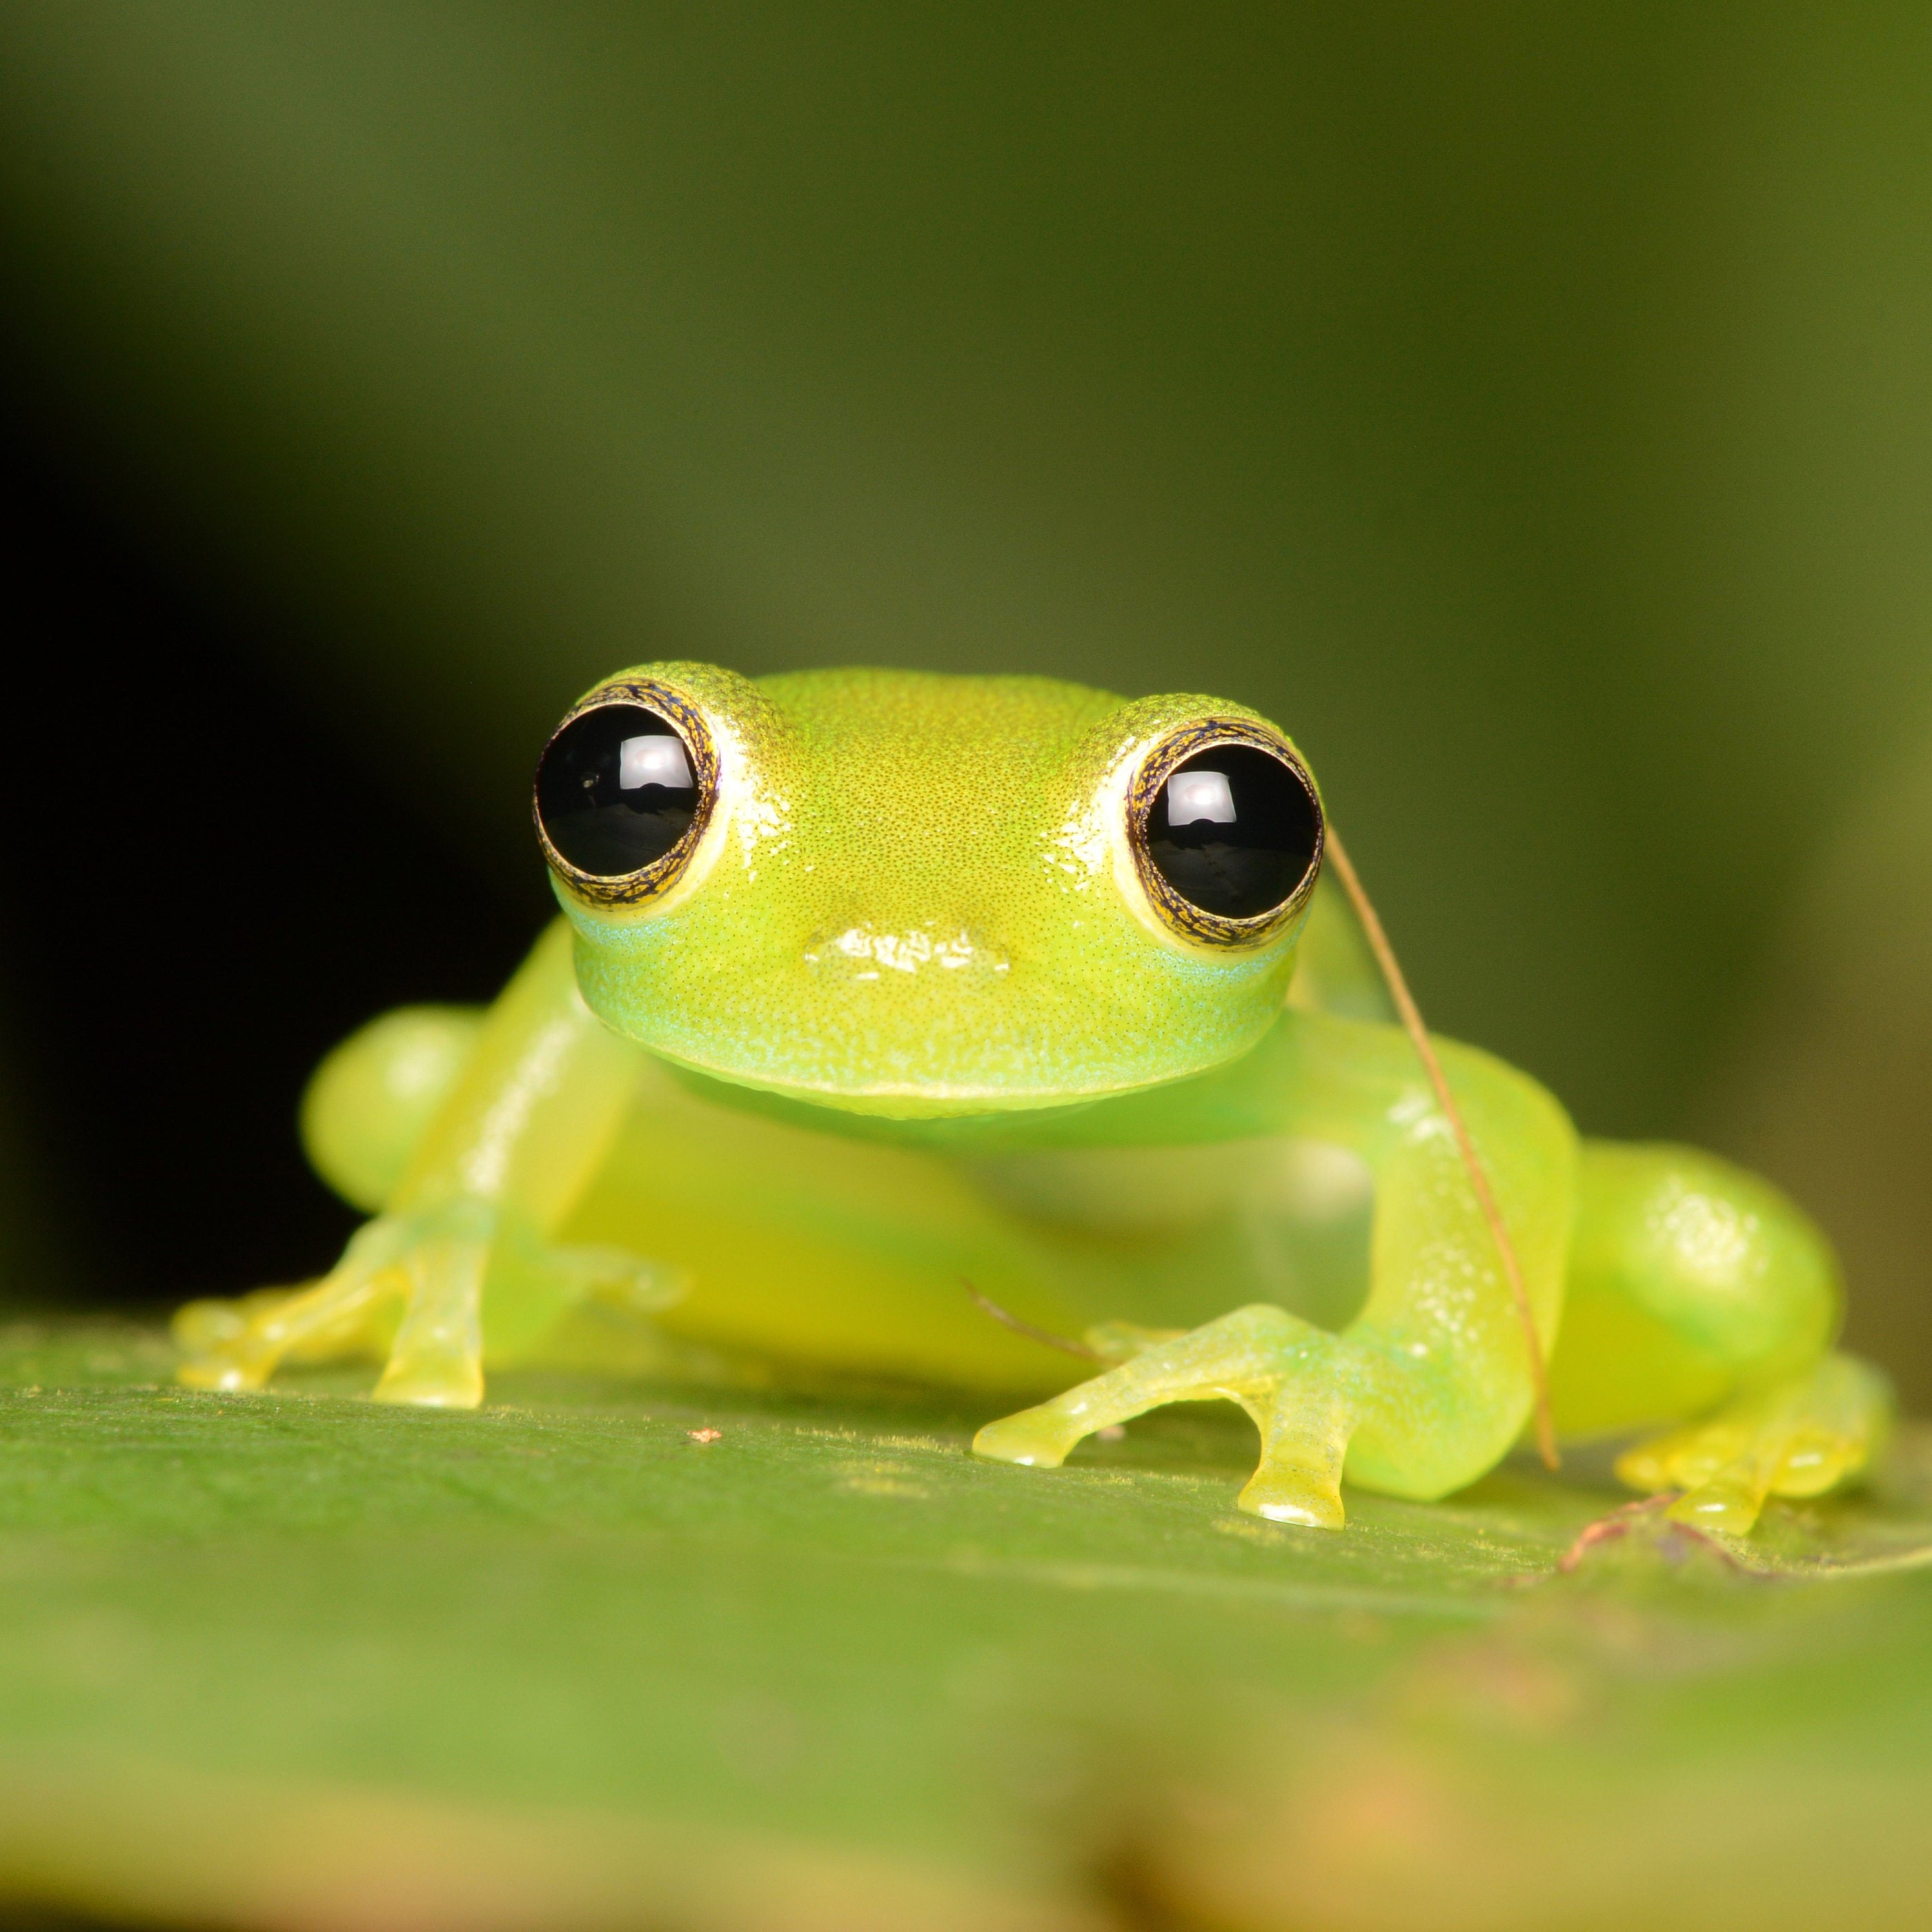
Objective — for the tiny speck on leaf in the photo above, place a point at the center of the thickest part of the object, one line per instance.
(705, 1435)
(1113, 1432)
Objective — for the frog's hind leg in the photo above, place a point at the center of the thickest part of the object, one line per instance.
(1799, 1438)
(1696, 1290)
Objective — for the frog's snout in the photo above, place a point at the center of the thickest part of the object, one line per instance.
(863, 951)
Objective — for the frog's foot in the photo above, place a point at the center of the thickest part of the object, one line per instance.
(203, 1329)
(1798, 1438)
(409, 1290)
(1278, 1367)
(240, 1345)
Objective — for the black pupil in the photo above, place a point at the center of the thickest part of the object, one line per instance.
(616, 791)
(1233, 831)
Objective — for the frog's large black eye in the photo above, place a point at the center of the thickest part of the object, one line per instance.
(1235, 831)
(617, 791)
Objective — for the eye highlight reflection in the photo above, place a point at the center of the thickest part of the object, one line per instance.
(655, 759)
(1191, 796)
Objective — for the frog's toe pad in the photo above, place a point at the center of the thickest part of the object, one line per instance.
(1307, 1493)
(1038, 1438)
(1731, 1508)
(217, 1340)
(204, 1328)
(1685, 1459)
(451, 1381)
(222, 1372)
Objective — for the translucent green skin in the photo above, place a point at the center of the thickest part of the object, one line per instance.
(907, 1019)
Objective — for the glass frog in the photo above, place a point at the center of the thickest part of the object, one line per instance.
(871, 984)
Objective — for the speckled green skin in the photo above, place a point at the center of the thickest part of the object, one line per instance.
(904, 1017)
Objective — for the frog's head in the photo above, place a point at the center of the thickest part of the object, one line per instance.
(896, 893)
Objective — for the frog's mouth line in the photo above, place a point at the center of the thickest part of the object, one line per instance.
(912, 1099)
(908, 1100)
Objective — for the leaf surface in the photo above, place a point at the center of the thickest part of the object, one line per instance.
(577, 1659)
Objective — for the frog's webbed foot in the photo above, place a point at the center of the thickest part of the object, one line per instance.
(1797, 1438)
(203, 1330)
(408, 1289)
(431, 1266)
(1278, 1367)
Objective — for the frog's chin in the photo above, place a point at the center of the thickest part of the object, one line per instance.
(892, 1101)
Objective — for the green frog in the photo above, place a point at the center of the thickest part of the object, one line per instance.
(879, 999)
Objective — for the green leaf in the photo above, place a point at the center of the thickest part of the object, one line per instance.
(572, 1660)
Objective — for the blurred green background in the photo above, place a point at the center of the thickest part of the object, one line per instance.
(1527, 406)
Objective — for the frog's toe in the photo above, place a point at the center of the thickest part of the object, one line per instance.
(223, 1370)
(1815, 1459)
(1731, 1507)
(1304, 1442)
(1684, 1459)
(445, 1377)
(1720, 1468)
(240, 1344)
(1269, 1362)
(1731, 1497)
(201, 1329)
(1310, 1497)
(1036, 1438)
(1162, 1367)
(206, 1333)
(436, 1361)
(1800, 1438)
(232, 1344)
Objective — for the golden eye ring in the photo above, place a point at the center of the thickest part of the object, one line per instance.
(624, 791)
(1227, 831)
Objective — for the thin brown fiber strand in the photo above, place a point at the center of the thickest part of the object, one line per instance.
(1479, 1179)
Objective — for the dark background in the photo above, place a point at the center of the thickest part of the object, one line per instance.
(209, 887)
(1531, 408)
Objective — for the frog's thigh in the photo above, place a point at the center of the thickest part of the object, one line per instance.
(1697, 1289)
(1688, 1279)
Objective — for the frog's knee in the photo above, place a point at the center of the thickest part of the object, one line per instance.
(369, 1103)
(1732, 1268)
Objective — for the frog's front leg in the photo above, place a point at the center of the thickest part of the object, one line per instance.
(1433, 1381)
(525, 1126)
